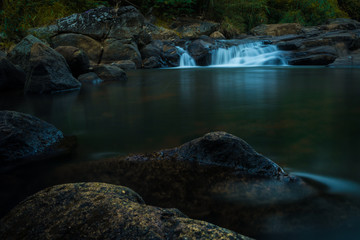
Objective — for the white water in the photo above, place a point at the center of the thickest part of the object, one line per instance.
(185, 59)
(243, 55)
(248, 54)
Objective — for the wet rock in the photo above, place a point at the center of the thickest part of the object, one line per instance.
(11, 76)
(110, 73)
(341, 24)
(90, 77)
(115, 50)
(193, 28)
(200, 51)
(24, 138)
(101, 211)
(90, 46)
(124, 64)
(48, 72)
(277, 29)
(77, 59)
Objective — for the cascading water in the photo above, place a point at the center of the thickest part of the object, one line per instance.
(185, 59)
(248, 54)
(242, 55)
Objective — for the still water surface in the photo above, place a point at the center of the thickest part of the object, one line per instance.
(305, 119)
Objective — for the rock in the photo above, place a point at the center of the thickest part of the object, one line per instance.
(77, 59)
(100, 23)
(110, 73)
(193, 28)
(115, 50)
(90, 46)
(200, 51)
(217, 35)
(101, 211)
(289, 45)
(160, 33)
(11, 76)
(223, 149)
(323, 55)
(340, 24)
(124, 64)
(152, 62)
(351, 60)
(90, 77)
(20, 54)
(277, 29)
(165, 52)
(24, 138)
(48, 72)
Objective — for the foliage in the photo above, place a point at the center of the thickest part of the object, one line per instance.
(351, 7)
(306, 12)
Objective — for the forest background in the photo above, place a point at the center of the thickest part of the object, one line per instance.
(235, 16)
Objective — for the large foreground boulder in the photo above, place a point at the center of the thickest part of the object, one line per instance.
(24, 137)
(77, 59)
(101, 211)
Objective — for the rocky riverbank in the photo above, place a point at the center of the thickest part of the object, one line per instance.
(98, 45)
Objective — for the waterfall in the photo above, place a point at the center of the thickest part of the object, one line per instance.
(247, 54)
(185, 59)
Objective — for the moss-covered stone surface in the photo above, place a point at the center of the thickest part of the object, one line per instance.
(101, 211)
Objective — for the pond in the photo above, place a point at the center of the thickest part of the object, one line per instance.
(306, 119)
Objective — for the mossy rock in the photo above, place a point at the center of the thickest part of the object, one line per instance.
(101, 211)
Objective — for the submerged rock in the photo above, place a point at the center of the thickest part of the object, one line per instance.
(101, 211)
(24, 137)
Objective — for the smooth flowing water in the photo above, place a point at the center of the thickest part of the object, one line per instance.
(305, 119)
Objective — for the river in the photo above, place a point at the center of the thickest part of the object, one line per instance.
(306, 119)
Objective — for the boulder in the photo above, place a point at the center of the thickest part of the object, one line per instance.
(165, 51)
(161, 33)
(340, 24)
(100, 23)
(217, 35)
(200, 50)
(115, 50)
(11, 76)
(90, 77)
(152, 62)
(276, 29)
(124, 64)
(77, 59)
(110, 73)
(24, 137)
(322, 55)
(48, 72)
(101, 211)
(20, 54)
(351, 60)
(90, 46)
(193, 28)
